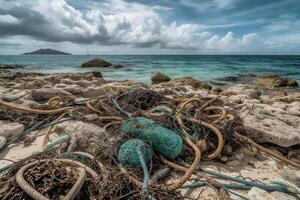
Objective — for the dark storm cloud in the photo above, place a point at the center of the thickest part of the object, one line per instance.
(221, 25)
(35, 24)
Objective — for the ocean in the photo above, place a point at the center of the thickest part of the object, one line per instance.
(142, 67)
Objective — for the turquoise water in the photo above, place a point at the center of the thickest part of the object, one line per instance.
(141, 68)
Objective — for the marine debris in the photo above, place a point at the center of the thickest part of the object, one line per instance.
(147, 143)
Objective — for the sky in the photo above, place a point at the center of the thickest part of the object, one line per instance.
(151, 26)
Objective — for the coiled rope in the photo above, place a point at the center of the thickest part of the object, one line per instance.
(37, 195)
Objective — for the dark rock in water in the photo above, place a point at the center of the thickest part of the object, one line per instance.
(218, 83)
(292, 83)
(47, 52)
(159, 78)
(229, 79)
(276, 81)
(116, 66)
(12, 66)
(13, 75)
(191, 82)
(239, 78)
(97, 62)
(217, 90)
(97, 74)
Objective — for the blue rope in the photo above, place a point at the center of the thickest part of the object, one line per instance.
(49, 146)
(226, 187)
(57, 141)
(145, 170)
(267, 187)
(146, 174)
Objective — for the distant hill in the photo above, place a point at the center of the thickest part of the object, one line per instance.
(47, 52)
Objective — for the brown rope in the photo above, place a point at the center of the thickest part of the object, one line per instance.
(37, 195)
(54, 101)
(219, 135)
(34, 111)
(89, 105)
(191, 170)
(267, 151)
(47, 135)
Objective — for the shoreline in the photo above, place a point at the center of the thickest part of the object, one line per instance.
(264, 110)
(138, 67)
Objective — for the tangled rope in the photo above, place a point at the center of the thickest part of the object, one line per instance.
(205, 125)
(190, 171)
(38, 196)
(81, 168)
(33, 111)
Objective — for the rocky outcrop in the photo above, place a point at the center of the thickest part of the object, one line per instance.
(196, 84)
(47, 93)
(10, 130)
(160, 78)
(248, 91)
(12, 66)
(96, 91)
(276, 81)
(97, 62)
(101, 90)
(13, 96)
(272, 124)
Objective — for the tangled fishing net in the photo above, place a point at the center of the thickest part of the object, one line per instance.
(183, 129)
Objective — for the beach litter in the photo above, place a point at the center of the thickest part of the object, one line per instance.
(148, 146)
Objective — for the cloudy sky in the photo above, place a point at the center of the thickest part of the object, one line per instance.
(151, 26)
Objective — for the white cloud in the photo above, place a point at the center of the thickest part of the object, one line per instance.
(8, 19)
(115, 22)
(283, 25)
(224, 3)
(206, 6)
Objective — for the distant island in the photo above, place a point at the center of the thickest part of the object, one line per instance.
(47, 52)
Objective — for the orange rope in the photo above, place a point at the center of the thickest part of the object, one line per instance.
(219, 116)
(88, 104)
(219, 135)
(186, 102)
(190, 171)
(54, 101)
(47, 135)
(184, 169)
(111, 118)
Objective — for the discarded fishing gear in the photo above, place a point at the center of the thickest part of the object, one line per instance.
(162, 140)
(138, 131)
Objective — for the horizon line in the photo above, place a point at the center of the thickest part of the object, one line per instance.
(150, 54)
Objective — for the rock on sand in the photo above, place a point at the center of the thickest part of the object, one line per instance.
(191, 82)
(10, 130)
(273, 123)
